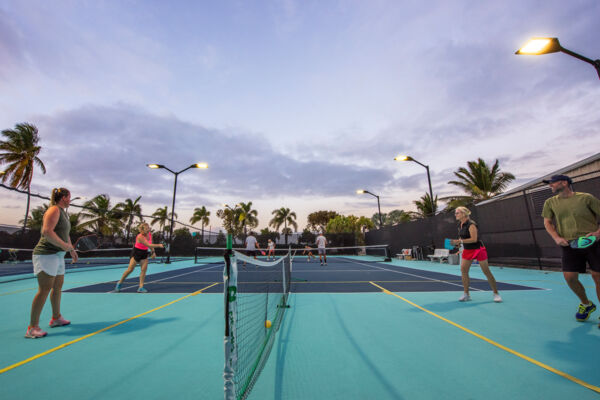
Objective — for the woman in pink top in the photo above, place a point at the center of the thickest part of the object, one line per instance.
(139, 254)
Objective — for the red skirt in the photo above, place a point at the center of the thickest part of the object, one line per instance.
(479, 254)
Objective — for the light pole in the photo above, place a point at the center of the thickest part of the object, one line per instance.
(409, 158)
(157, 166)
(361, 191)
(537, 46)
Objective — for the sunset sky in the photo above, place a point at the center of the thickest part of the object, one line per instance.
(293, 103)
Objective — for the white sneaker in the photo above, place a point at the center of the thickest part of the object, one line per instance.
(465, 297)
(497, 298)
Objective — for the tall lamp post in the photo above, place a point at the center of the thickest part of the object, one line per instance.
(537, 46)
(362, 191)
(157, 166)
(409, 158)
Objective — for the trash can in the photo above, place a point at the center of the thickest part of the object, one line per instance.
(453, 259)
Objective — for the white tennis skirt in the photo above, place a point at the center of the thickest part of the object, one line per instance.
(52, 264)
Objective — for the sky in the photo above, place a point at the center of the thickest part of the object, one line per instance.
(293, 104)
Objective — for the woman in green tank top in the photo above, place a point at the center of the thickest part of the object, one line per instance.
(49, 262)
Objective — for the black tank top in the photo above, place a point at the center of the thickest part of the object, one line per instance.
(463, 233)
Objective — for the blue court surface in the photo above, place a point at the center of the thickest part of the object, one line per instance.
(356, 329)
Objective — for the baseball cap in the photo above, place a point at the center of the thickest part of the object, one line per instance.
(557, 178)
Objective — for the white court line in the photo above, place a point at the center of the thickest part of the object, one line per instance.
(164, 279)
(418, 276)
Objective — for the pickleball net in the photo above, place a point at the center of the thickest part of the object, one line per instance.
(255, 291)
(300, 254)
(15, 264)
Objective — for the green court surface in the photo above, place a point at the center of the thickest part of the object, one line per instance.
(353, 345)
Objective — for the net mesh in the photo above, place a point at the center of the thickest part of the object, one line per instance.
(255, 292)
(17, 262)
(301, 254)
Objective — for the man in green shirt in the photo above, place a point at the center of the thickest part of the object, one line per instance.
(568, 216)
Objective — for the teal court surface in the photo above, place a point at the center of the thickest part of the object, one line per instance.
(355, 329)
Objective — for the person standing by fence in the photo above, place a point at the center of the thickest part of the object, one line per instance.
(567, 216)
(473, 250)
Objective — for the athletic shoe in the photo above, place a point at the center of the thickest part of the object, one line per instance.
(325, 263)
(60, 321)
(118, 287)
(583, 312)
(497, 298)
(142, 289)
(321, 264)
(465, 297)
(34, 332)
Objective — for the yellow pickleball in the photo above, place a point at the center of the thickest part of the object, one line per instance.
(267, 324)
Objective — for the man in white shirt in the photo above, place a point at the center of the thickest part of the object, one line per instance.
(321, 243)
(251, 245)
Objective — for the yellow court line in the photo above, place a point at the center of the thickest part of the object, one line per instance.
(516, 353)
(62, 346)
(17, 291)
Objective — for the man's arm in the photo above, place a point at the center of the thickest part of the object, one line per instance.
(551, 229)
(594, 206)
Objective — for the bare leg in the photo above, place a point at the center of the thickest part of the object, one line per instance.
(485, 267)
(128, 270)
(45, 282)
(572, 279)
(55, 295)
(465, 265)
(144, 265)
(596, 278)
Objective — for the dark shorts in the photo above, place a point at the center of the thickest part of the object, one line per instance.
(574, 260)
(251, 253)
(139, 254)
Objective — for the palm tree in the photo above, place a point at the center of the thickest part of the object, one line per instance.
(20, 151)
(131, 209)
(247, 216)
(231, 220)
(102, 217)
(201, 215)
(284, 216)
(75, 220)
(162, 217)
(36, 220)
(479, 181)
(426, 206)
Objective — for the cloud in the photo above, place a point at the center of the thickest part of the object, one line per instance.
(103, 149)
(11, 51)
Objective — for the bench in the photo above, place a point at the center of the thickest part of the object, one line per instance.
(405, 255)
(440, 255)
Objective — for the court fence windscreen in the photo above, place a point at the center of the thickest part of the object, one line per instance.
(511, 228)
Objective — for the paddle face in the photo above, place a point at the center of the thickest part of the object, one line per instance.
(448, 244)
(263, 253)
(582, 242)
(86, 243)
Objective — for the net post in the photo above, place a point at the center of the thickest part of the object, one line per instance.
(388, 256)
(229, 244)
(229, 340)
